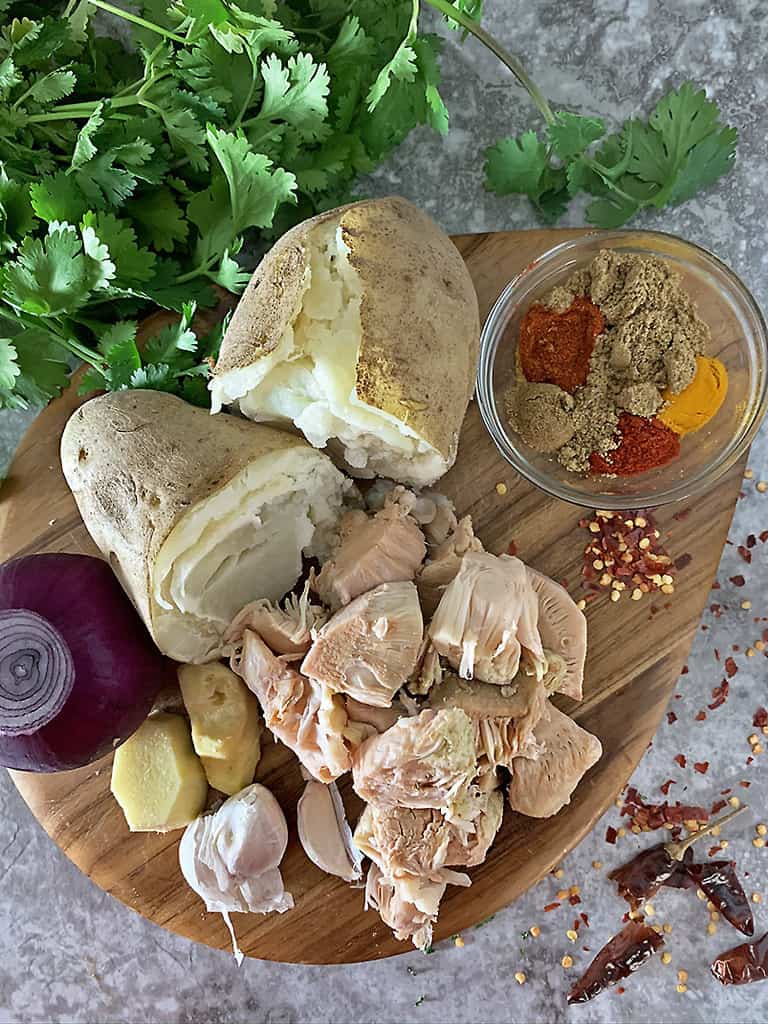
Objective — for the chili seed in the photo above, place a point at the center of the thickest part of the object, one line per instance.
(535, 931)
(666, 958)
(681, 988)
(650, 910)
(762, 486)
(581, 605)
(637, 594)
(501, 488)
(667, 929)
(711, 928)
(558, 873)
(734, 801)
(615, 595)
(757, 897)
(761, 830)
(746, 605)
(759, 843)
(567, 961)
(572, 935)
(750, 652)
(520, 977)
(682, 976)
(459, 942)
(644, 543)
(562, 894)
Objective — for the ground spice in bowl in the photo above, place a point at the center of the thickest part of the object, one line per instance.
(611, 371)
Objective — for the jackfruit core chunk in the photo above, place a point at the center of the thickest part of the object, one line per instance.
(309, 378)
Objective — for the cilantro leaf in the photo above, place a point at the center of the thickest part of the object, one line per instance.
(570, 134)
(133, 265)
(427, 50)
(120, 332)
(16, 214)
(611, 211)
(516, 165)
(9, 76)
(176, 338)
(56, 274)
(230, 275)
(9, 367)
(57, 197)
(295, 93)
(683, 118)
(53, 86)
(709, 160)
(157, 377)
(255, 188)
(43, 369)
(85, 148)
(159, 219)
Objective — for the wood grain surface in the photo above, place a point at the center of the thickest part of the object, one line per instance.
(633, 662)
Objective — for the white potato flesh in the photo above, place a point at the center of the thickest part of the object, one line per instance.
(309, 378)
(243, 543)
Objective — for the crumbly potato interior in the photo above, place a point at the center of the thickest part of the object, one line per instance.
(309, 378)
(243, 543)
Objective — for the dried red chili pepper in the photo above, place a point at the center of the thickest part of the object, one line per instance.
(718, 881)
(621, 956)
(743, 964)
(668, 864)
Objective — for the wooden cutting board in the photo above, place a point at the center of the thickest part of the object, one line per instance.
(634, 660)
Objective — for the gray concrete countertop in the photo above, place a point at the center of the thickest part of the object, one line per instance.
(70, 953)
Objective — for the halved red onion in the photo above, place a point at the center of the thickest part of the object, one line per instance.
(78, 669)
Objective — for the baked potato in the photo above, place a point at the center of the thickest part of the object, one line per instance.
(197, 516)
(361, 328)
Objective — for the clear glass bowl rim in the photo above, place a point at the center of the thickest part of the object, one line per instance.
(701, 481)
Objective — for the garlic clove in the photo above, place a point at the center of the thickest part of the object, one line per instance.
(324, 832)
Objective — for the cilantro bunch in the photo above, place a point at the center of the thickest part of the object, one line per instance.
(133, 172)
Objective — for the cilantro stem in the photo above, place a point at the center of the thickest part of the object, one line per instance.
(71, 345)
(446, 7)
(136, 20)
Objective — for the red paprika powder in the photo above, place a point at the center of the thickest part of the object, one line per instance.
(645, 444)
(555, 348)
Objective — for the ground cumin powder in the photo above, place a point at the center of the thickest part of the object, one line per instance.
(650, 342)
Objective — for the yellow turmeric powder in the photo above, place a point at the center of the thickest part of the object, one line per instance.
(698, 403)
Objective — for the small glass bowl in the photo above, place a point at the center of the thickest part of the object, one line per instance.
(739, 340)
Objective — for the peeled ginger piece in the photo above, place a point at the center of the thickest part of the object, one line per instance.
(157, 778)
(226, 726)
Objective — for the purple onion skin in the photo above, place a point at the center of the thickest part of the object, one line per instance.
(118, 669)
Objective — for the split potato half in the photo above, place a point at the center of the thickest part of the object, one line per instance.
(361, 328)
(196, 515)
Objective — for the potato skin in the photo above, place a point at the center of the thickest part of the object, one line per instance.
(136, 461)
(420, 318)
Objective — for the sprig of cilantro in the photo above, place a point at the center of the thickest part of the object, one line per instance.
(681, 149)
(143, 175)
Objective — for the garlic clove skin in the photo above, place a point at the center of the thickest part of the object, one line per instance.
(325, 834)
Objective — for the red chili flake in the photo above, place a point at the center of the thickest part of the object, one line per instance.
(664, 787)
(512, 548)
(684, 670)
(745, 553)
(576, 924)
(764, 536)
(683, 560)
(719, 694)
(760, 718)
(585, 918)
(744, 784)
(718, 805)
(751, 540)
(701, 716)
(680, 758)
(683, 514)
(735, 648)
(620, 990)
(671, 717)
(574, 899)
(738, 581)
(749, 761)
(551, 906)
(731, 668)
(725, 792)
(611, 835)
(717, 654)
(702, 767)
(715, 585)
(713, 850)
(652, 816)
